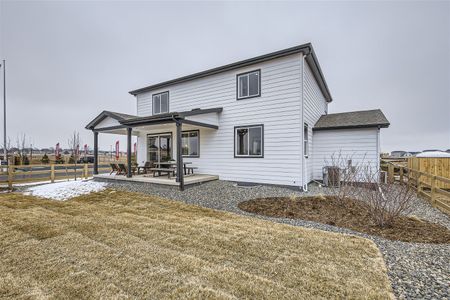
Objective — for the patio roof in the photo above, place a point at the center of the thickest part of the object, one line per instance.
(125, 120)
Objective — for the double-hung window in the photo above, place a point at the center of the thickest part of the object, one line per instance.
(249, 85)
(305, 140)
(190, 143)
(249, 141)
(160, 103)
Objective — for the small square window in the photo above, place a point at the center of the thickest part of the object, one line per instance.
(249, 85)
(249, 141)
(161, 103)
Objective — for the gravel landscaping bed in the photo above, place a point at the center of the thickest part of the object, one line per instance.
(417, 271)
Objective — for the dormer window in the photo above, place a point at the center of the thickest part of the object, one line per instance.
(249, 85)
(161, 103)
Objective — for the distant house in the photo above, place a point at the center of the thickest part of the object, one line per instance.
(398, 153)
(262, 120)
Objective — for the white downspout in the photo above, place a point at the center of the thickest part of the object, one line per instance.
(302, 143)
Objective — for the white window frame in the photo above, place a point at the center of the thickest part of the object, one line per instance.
(198, 142)
(159, 99)
(247, 74)
(236, 155)
(305, 140)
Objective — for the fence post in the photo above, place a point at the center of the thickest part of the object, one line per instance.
(10, 176)
(86, 171)
(433, 188)
(401, 175)
(390, 173)
(418, 183)
(52, 173)
(409, 178)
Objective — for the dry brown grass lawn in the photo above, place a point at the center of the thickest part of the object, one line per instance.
(119, 245)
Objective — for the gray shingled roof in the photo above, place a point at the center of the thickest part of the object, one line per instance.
(121, 115)
(352, 119)
(115, 115)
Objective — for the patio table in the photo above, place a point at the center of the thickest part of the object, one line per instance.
(173, 163)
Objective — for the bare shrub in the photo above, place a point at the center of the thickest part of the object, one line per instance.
(385, 201)
(360, 180)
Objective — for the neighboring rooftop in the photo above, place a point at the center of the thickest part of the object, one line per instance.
(306, 49)
(353, 119)
(433, 154)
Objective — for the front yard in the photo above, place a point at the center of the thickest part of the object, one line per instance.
(121, 244)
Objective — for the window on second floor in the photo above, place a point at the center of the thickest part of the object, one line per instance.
(249, 85)
(160, 103)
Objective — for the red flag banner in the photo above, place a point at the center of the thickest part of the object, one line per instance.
(85, 149)
(135, 149)
(117, 150)
(77, 151)
(57, 150)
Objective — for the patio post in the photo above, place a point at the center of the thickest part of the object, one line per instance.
(95, 153)
(129, 152)
(180, 177)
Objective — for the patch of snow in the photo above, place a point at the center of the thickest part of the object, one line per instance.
(433, 154)
(65, 190)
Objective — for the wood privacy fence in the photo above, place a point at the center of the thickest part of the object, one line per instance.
(35, 173)
(430, 186)
(439, 166)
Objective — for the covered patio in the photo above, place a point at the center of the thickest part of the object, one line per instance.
(124, 124)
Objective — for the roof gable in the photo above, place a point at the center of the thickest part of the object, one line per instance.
(108, 114)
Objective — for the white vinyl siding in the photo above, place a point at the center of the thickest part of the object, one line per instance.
(278, 109)
(315, 106)
(359, 145)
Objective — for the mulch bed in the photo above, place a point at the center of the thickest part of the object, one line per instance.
(352, 215)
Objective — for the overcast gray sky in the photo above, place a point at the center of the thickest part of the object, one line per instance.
(67, 61)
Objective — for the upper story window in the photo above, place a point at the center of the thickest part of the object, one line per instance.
(249, 85)
(161, 103)
(249, 141)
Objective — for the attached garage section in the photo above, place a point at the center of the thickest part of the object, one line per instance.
(353, 136)
(359, 145)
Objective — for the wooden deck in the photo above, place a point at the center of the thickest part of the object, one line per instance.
(163, 180)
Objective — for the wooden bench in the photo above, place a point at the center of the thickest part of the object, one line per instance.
(189, 170)
(163, 170)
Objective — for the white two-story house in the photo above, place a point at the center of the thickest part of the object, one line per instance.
(262, 120)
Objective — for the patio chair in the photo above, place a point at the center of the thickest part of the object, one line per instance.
(147, 166)
(122, 169)
(114, 168)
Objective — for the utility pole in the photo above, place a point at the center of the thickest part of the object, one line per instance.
(4, 113)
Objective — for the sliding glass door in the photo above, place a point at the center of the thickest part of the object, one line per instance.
(159, 147)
